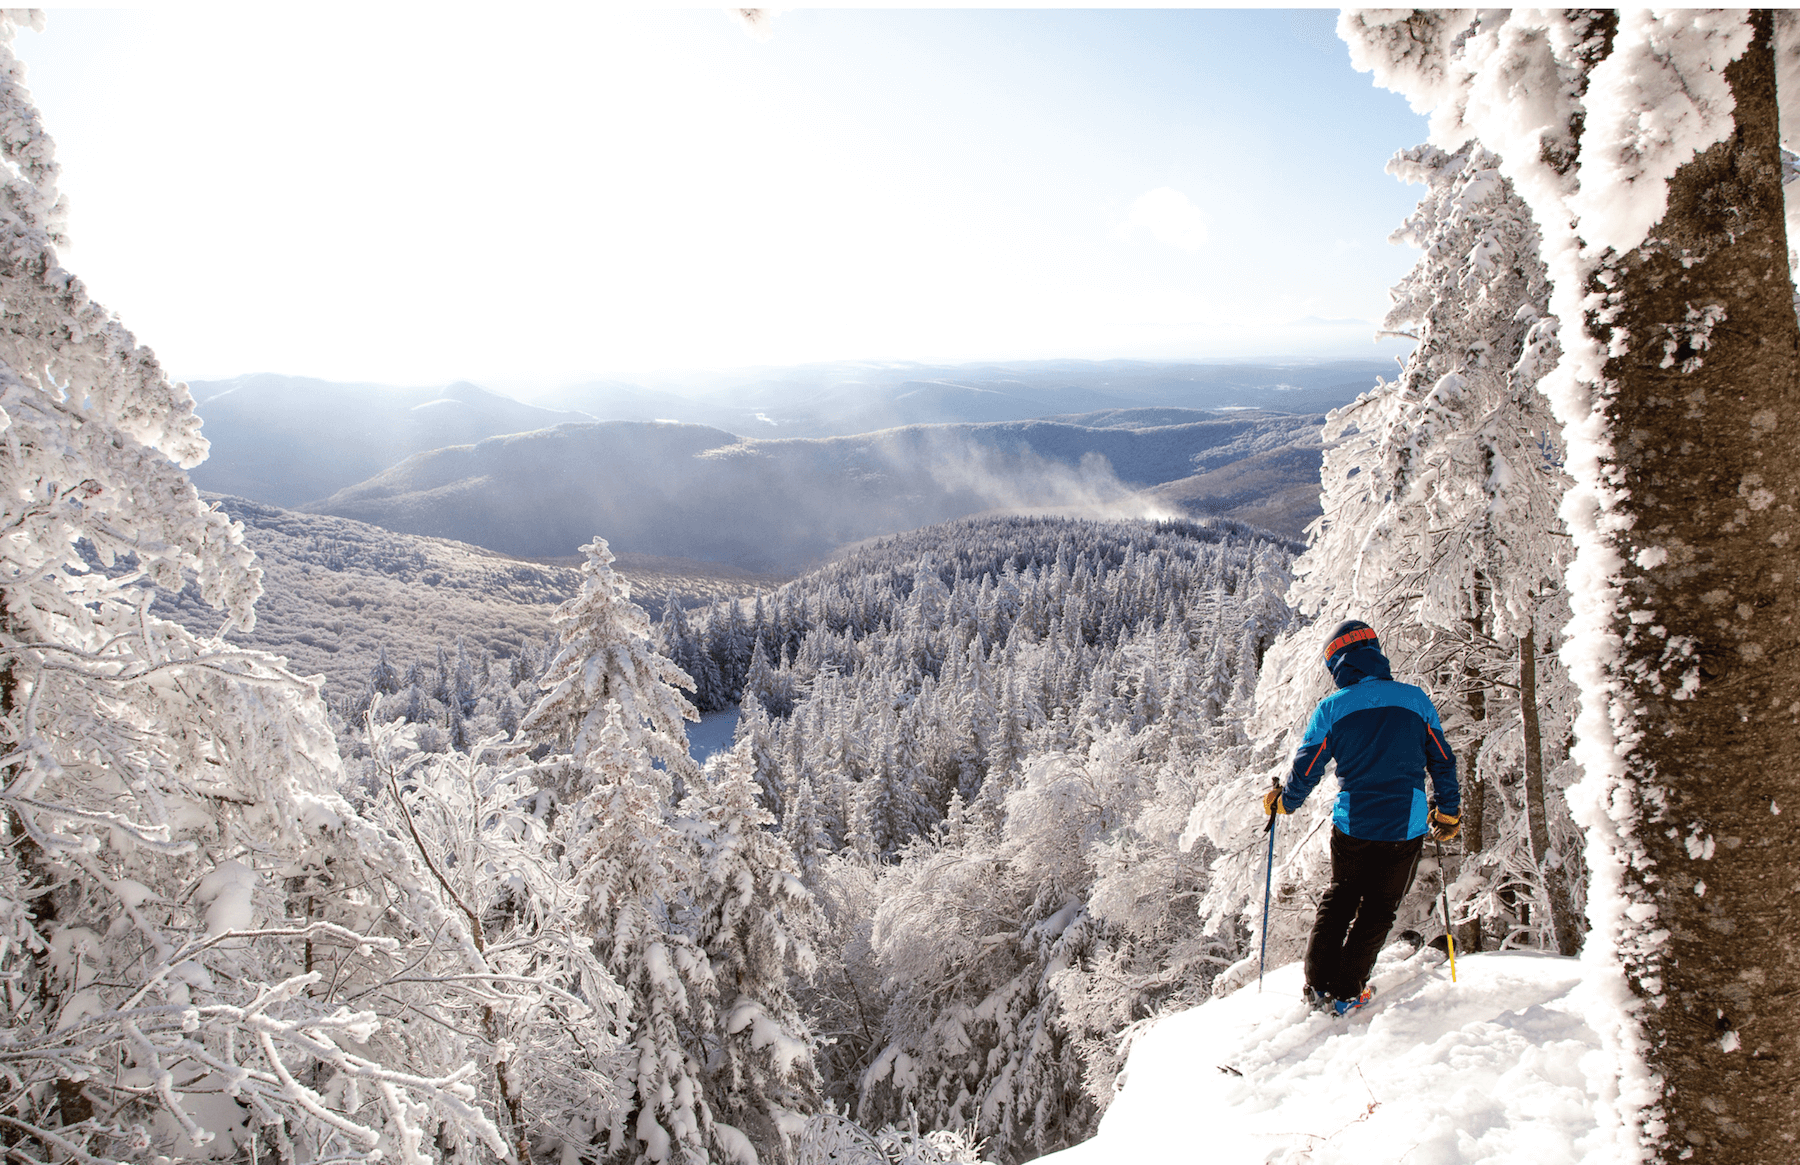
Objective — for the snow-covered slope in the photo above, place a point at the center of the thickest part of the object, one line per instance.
(336, 593)
(1499, 1066)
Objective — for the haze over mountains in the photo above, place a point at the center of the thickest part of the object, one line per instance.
(836, 400)
(770, 471)
(292, 439)
(696, 492)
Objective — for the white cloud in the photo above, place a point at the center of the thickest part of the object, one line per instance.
(1169, 218)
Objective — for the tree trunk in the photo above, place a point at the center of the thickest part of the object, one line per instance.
(1564, 925)
(1468, 935)
(1706, 457)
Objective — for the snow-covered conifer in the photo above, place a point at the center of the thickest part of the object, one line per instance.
(1440, 492)
(606, 655)
(632, 870)
(751, 914)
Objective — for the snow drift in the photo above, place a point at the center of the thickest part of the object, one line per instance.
(1500, 1066)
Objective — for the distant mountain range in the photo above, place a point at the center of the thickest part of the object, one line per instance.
(290, 439)
(772, 470)
(697, 492)
(835, 400)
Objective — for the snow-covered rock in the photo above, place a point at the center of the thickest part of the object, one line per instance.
(1499, 1066)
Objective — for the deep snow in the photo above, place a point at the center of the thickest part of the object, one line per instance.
(1499, 1066)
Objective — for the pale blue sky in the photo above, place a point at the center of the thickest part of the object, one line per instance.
(415, 196)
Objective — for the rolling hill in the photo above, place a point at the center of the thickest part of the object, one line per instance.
(290, 439)
(336, 593)
(697, 492)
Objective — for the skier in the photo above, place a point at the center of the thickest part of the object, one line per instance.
(1386, 738)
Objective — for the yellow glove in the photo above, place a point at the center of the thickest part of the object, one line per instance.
(1444, 827)
(1272, 802)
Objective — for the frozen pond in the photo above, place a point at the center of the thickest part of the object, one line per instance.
(712, 734)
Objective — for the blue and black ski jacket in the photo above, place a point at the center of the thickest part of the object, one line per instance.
(1386, 738)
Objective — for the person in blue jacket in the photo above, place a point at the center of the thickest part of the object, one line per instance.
(1386, 739)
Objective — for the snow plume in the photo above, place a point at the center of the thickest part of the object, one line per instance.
(1519, 81)
(1022, 481)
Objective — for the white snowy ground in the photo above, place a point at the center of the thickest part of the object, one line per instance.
(1499, 1066)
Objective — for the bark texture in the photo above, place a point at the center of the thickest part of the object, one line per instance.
(1706, 428)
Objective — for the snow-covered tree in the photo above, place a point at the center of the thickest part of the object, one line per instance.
(831, 1139)
(751, 914)
(164, 982)
(517, 979)
(606, 655)
(1647, 145)
(1011, 964)
(633, 872)
(1440, 527)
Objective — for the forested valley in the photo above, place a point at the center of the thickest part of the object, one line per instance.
(991, 809)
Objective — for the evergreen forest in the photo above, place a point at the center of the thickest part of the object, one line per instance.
(992, 806)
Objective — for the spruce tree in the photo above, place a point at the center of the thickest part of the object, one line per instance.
(633, 870)
(754, 918)
(605, 657)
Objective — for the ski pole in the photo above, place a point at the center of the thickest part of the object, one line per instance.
(1444, 900)
(1268, 883)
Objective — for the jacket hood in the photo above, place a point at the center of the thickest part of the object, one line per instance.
(1364, 661)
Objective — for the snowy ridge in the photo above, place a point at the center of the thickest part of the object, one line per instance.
(336, 593)
(1498, 1066)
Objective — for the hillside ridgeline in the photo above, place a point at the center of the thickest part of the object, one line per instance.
(293, 439)
(337, 594)
(775, 505)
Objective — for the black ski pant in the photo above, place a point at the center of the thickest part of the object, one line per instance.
(1368, 879)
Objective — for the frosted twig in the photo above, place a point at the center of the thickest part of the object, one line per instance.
(54, 1141)
(308, 1100)
(164, 1083)
(152, 836)
(311, 931)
